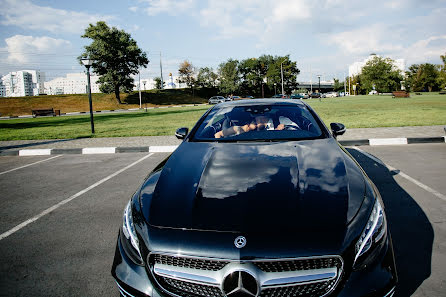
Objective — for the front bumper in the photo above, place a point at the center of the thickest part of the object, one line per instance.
(376, 279)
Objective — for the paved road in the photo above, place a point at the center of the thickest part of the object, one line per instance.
(68, 252)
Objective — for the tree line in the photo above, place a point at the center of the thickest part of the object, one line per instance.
(260, 76)
(117, 57)
(381, 74)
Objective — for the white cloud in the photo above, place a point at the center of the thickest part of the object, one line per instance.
(27, 15)
(426, 50)
(376, 38)
(23, 50)
(172, 7)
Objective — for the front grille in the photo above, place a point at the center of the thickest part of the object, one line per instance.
(187, 289)
(195, 263)
(298, 264)
(193, 287)
(307, 290)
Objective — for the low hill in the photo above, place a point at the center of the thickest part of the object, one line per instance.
(15, 106)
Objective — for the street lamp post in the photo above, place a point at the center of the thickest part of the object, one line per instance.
(275, 90)
(87, 63)
(139, 88)
(319, 77)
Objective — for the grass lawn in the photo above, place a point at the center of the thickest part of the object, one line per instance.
(382, 111)
(354, 112)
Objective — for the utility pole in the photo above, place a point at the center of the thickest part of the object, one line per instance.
(161, 69)
(345, 86)
(281, 72)
(139, 87)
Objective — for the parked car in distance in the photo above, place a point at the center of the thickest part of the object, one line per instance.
(296, 96)
(331, 95)
(304, 95)
(315, 95)
(258, 200)
(216, 99)
(373, 92)
(236, 98)
(281, 96)
(249, 97)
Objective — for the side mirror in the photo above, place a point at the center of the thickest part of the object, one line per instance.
(337, 129)
(181, 133)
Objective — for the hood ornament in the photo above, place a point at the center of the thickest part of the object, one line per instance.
(240, 242)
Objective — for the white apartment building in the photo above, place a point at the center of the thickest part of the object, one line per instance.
(356, 68)
(73, 83)
(2, 89)
(149, 83)
(23, 83)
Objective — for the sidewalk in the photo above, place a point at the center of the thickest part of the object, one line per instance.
(355, 136)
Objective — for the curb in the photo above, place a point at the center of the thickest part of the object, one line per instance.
(171, 148)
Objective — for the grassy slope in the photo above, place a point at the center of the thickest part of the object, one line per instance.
(79, 102)
(354, 112)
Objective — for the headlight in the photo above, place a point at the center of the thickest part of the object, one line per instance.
(129, 229)
(373, 231)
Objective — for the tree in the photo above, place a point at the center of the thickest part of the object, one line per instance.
(423, 77)
(158, 83)
(116, 57)
(254, 71)
(338, 86)
(186, 71)
(229, 76)
(207, 77)
(381, 74)
(442, 73)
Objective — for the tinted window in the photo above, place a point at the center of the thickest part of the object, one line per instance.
(258, 122)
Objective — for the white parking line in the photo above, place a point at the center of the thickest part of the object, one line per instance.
(402, 174)
(24, 166)
(63, 202)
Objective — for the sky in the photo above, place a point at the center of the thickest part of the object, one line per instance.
(324, 37)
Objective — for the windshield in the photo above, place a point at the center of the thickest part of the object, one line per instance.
(258, 122)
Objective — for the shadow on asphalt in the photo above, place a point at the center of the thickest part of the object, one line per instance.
(2, 148)
(412, 233)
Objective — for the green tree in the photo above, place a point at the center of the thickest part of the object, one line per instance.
(207, 77)
(254, 71)
(186, 71)
(229, 76)
(382, 74)
(338, 86)
(423, 77)
(116, 57)
(442, 73)
(158, 83)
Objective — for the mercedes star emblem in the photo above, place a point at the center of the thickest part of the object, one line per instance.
(240, 242)
(240, 284)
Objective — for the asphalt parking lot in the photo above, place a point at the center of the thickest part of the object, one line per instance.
(60, 216)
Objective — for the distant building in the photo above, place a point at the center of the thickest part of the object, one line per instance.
(23, 83)
(150, 83)
(73, 83)
(2, 89)
(356, 68)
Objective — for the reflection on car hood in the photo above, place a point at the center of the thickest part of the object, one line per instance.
(241, 187)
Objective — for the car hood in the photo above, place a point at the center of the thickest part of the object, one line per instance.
(244, 187)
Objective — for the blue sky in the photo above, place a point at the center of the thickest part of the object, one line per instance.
(322, 36)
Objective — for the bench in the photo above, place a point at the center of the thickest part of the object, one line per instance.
(400, 94)
(44, 112)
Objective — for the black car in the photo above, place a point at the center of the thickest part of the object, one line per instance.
(315, 95)
(259, 200)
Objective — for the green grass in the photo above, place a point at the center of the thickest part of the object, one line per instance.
(354, 112)
(154, 122)
(382, 111)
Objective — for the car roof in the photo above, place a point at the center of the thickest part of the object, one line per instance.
(263, 101)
